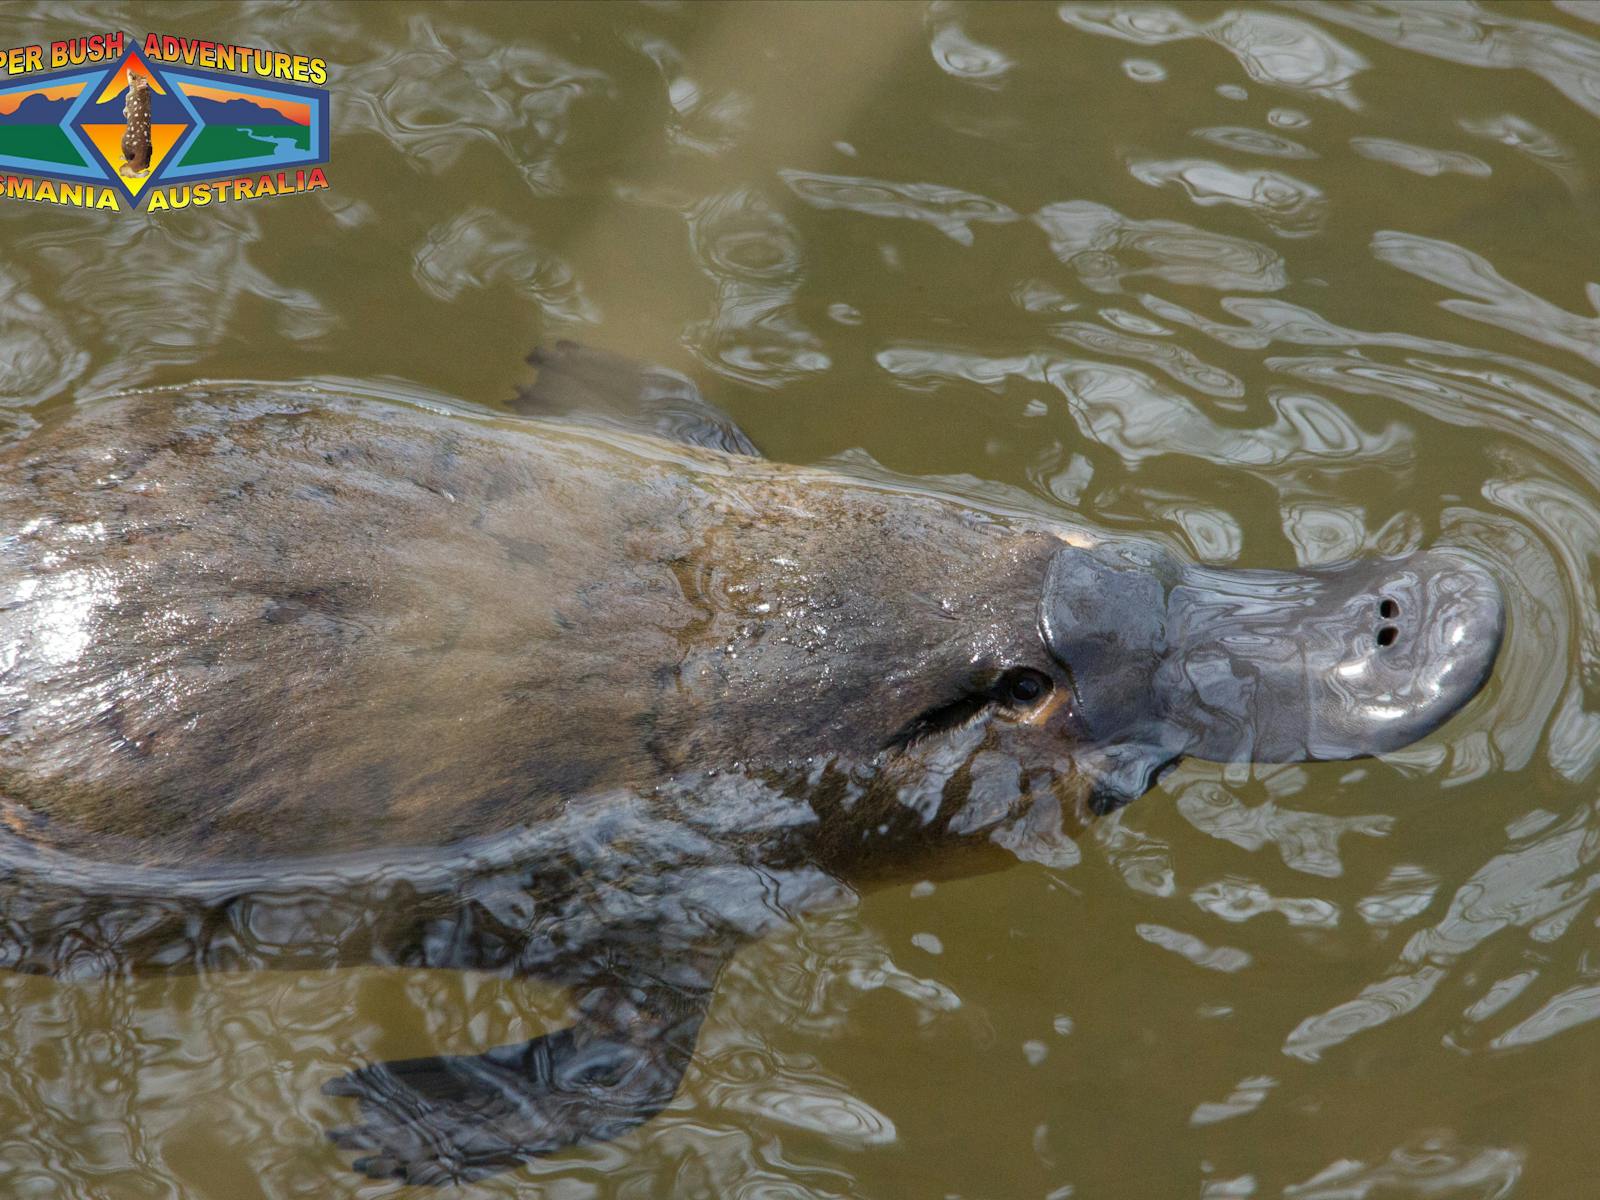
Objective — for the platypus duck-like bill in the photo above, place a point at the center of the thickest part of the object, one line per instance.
(1337, 662)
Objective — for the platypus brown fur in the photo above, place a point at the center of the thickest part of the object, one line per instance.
(258, 624)
(294, 675)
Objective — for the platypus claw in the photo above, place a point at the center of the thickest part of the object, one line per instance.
(454, 1119)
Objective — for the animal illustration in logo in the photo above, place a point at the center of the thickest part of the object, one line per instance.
(136, 147)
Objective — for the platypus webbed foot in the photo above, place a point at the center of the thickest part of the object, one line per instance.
(453, 1119)
(1170, 659)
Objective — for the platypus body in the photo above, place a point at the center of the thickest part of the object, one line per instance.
(136, 147)
(593, 693)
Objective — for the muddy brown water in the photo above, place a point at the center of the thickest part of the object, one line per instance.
(1282, 284)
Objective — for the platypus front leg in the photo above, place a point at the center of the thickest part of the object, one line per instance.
(452, 1119)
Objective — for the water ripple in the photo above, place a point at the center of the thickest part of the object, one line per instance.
(1246, 1097)
(1493, 298)
(1272, 47)
(1289, 207)
(752, 252)
(1478, 37)
(951, 211)
(447, 85)
(1097, 242)
(1235, 901)
(960, 55)
(1307, 841)
(1219, 958)
(1437, 1165)
(482, 249)
(1253, 141)
(1529, 140)
(704, 121)
(38, 357)
(1128, 412)
(1406, 892)
(1420, 160)
(1173, 360)
(1561, 1012)
(163, 292)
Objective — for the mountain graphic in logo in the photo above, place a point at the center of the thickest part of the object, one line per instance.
(31, 118)
(240, 127)
(37, 108)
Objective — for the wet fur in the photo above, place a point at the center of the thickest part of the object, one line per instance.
(326, 626)
(294, 680)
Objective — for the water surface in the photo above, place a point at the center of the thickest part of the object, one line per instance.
(1277, 284)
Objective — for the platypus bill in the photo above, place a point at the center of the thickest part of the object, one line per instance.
(592, 693)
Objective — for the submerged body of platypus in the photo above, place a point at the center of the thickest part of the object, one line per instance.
(290, 677)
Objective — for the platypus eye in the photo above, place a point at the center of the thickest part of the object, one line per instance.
(1023, 686)
(1016, 688)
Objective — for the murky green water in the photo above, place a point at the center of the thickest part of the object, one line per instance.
(1280, 283)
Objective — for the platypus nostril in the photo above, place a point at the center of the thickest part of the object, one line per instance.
(1388, 610)
(1387, 635)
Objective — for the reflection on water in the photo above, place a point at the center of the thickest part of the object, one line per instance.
(1275, 285)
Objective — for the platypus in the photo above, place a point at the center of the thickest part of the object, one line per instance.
(136, 148)
(589, 691)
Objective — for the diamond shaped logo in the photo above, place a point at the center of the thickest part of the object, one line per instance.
(142, 124)
(106, 120)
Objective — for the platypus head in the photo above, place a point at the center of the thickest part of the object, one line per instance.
(1086, 671)
(929, 673)
(1167, 659)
